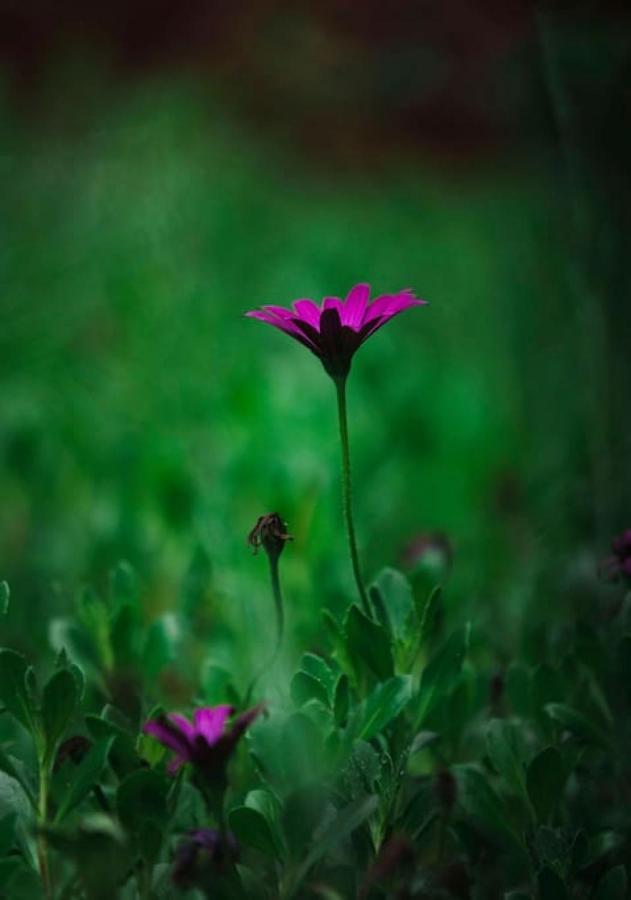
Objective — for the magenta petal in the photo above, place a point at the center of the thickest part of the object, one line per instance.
(355, 306)
(281, 311)
(169, 735)
(390, 305)
(183, 725)
(333, 303)
(282, 324)
(210, 721)
(308, 311)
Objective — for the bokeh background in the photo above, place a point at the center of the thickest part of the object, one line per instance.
(166, 167)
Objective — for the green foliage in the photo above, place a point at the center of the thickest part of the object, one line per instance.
(401, 753)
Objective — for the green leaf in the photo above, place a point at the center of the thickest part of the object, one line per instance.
(502, 746)
(346, 822)
(368, 645)
(613, 885)
(383, 705)
(427, 612)
(303, 811)
(440, 674)
(7, 833)
(483, 804)
(59, 702)
(14, 801)
(160, 646)
(15, 769)
(341, 700)
(396, 591)
(142, 797)
(578, 724)
(14, 692)
(550, 885)
(545, 780)
(84, 777)
(252, 829)
(5, 595)
(304, 687)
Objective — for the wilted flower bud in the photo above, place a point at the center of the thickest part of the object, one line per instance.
(428, 550)
(445, 789)
(203, 855)
(73, 749)
(270, 532)
(618, 566)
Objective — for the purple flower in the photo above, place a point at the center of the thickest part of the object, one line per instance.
(202, 855)
(205, 742)
(618, 565)
(337, 328)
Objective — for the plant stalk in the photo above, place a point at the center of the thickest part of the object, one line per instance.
(340, 386)
(277, 595)
(42, 811)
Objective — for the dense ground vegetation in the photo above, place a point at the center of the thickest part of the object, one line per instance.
(464, 735)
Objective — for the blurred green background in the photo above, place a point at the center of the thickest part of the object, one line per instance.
(161, 176)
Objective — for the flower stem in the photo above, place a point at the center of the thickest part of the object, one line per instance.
(340, 386)
(42, 849)
(280, 621)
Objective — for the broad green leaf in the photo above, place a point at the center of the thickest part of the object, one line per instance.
(5, 595)
(368, 644)
(15, 769)
(14, 692)
(305, 687)
(396, 591)
(383, 705)
(303, 811)
(613, 885)
(481, 801)
(141, 797)
(318, 668)
(346, 822)
(578, 724)
(441, 673)
(14, 801)
(545, 780)
(7, 833)
(252, 829)
(160, 645)
(59, 702)
(84, 777)
(427, 611)
(341, 700)
(502, 746)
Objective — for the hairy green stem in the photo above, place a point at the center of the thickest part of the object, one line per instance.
(274, 572)
(42, 813)
(340, 386)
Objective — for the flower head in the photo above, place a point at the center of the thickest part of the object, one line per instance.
(618, 566)
(205, 742)
(337, 328)
(202, 855)
(270, 532)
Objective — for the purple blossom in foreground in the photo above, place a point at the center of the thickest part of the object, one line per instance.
(205, 742)
(618, 565)
(203, 854)
(337, 328)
